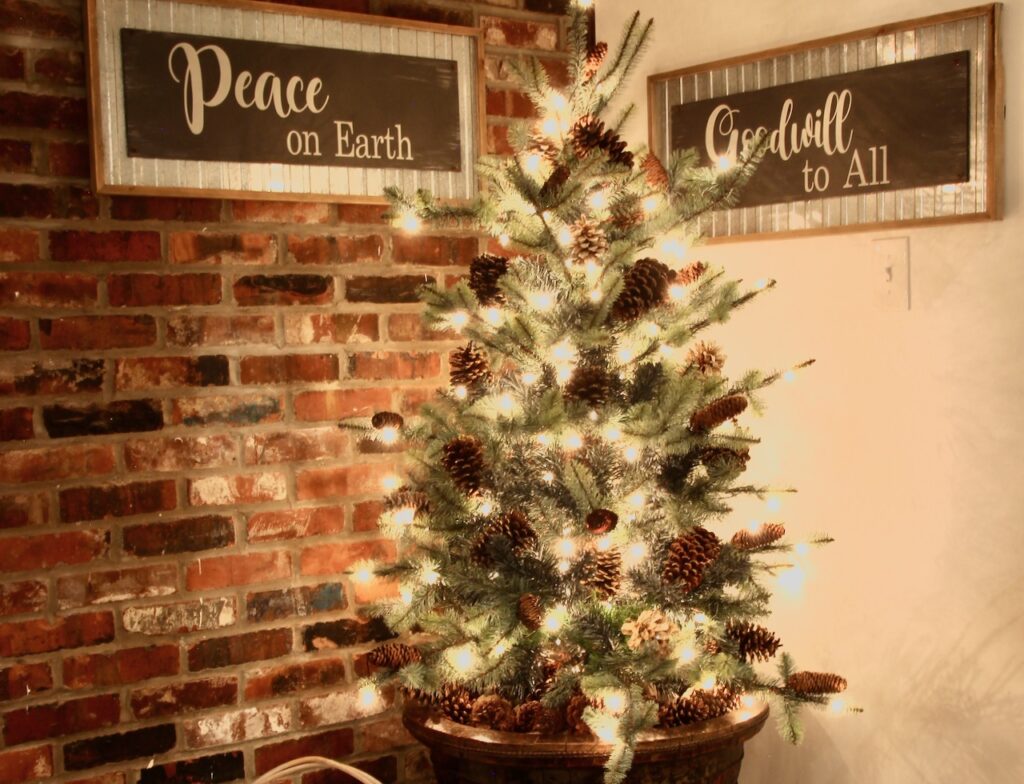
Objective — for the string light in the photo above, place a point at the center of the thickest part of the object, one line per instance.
(501, 648)
(674, 248)
(792, 580)
(591, 269)
(410, 221)
(774, 504)
(635, 554)
(506, 403)
(595, 295)
(700, 618)
(548, 477)
(532, 162)
(429, 574)
(789, 376)
(708, 681)
(362, 574)
(566, 548)
(625, 354)
(542, 300)
(572, 440)
(612, 433)
(406, 595)
(390, 483)
(676, 292)
(545, 439)
(564, 236)
(636, 500)
(463, 659)
(504, 240)
(563, 351)
(631, 454)
(563, 566)
(606, 728)
(604, 544)
(460, 392)
(485, 507)
(369, 697)
(388, 435)
(459, 319)
(493, 316)
(404, 515)
(531, 378)
(650, 329)
(687, 654)
(802, 548)
(599, 199)
(747, 701)
(563, 373)
(615, 701)
(837, 705)
(555, 619)
(726, 162)
(651, 203)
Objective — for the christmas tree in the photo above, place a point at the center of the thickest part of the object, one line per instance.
(567, 559)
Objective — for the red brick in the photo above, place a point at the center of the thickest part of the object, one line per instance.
(335, 249)
(164, 209)
(300, 602)
(239, 649)
(68, 159)
(24, 553)
(410, 326)
(29, 201)
(12, 63)
(15, 156)
(230, 570)
(47, 289)
(220, 330)
(340, 403)
(53, 112)
(24, 509)
(179, 536)
(284, 290)
(104, 246)
(22, 638)
(22, 680)
(97, 332)
(21, 765)
(439, 251)
(229, 766)
(519, 33)
(393, 364)
(129, 665)
(340, 482)
(345, 632)
(16, 424)
(336, 744)
(118, 585)
(520, 106)
(382, 290)
(52, 463)
(24, 597)
(237, 726)
(62, 67)
(366, 516)
(134, 744)
(288, 368)
(51, 377)
(120, 416)
(361, 213)
(223, 410)
(384, 769)
(81, 203)
(107, 501)
(282, 212)
(164, 372)
(339, 707)
(146, 290)
(239, 489)
(116, 777)
(177, 698)
(293, 446)
(385, 735)
(497, 140)
(180, 453)
(22, 17)
(57, 719)
(335, 558)
(15, 334)
(205, 248)
(181, 618)
(292, 678)
(415, 10)
(295, 524)
(304, 329)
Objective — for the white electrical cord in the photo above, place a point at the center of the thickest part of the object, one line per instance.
(297, 767)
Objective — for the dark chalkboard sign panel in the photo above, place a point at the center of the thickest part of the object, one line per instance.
(207, 98)
(897, 126)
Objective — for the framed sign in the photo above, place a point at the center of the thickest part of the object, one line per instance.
(893, 126)
(237, 98)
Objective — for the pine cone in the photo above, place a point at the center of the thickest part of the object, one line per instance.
(463, 459)
(650, 626)
(469, 367)
(393, 655)
(513, 526)
(484, 273)
(528, 612)
(616, 149)
(689, 556)
(455, 702)
(588, 241)
(554, 183)
(627, 213)
(604, 573)
(697, 705)
(406, 498)
(816, 683)
(545, 146)
(493, 712)
(707, 358)
(763, 536)
(644, 287)
(601, 521)
(655, 172)
(754, 642)
(717, 412)
(586, 135)
(574, 709)
(595, 58)
(722, 460)
(384, 419)
(589, 384)
(691, 273)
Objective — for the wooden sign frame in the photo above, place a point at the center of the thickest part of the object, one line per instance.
(975, 29)
(114, 172)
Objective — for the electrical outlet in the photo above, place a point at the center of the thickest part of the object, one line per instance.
(892, 272)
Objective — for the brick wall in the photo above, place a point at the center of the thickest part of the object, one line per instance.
(176, 501)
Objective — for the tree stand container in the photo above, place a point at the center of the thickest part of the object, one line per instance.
(705, 753)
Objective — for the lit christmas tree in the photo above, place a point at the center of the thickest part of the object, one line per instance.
(567, 559)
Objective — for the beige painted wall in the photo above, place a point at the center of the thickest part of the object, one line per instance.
(906, 441)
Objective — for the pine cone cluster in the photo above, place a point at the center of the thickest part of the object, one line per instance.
(455, 702)
(601, 521)
(484, 274)
(494, 712)
(655, 173)
(383, 419)
(528, 611)
(691, 273)
(544, 145)
(555, 182)
(627, 213)
(589, 134)
(469, 367)
(595, 58)
(816, 683)
(532, 716)
(707, 358)
(723, 460)
(689, 556)
(589, 384)
(405, 498)
(589, 242)
(717, 412)
(463, 459)
(574, 709)
(393, 655)
(650, 626)
(763, 536)
(513, 526)
(755, 643)
(644, 287)
(697, 705)
(604, 573)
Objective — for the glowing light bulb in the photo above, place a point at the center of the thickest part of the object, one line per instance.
(595, 295)
(390, 483)
(545, 439)
(531, 378)
(761, 284)
(676, 292)
(572, 440)
(388, 435)
(674, 248)
(504, 240)
(687, 654)
(362, 574)
(700, 618)
(606, 728)
(631, 454)
(532, 162)
(506, 403)
(429, 574)
(584, 3)
(556, 102)
(599, 199)
(460, 392)
(669, 353)
(549, 126)
(369, 697)
(837, 705)
(747, 701)
(410, 221)
(625, 354)
(792, 580)
(636, 500)
(462, 659)
(542, 300)
(493, 316)
(564, 236)
(501, 648)
(405, 594)
(725, 162)
(612, 433)
(548, 477)
(651, 203)
(789, 376)
(563, 566)
(591, 269)
(615, 702)
(563, 351)
(566, 548)
(485, 507)
(404, 516)
(592, 416)
(650, 329)
(459, 319)
(635, 554)
(556, 618)
(708, 682)
(563, 373)
(774, 504)
(604, 544)
(802, 548)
